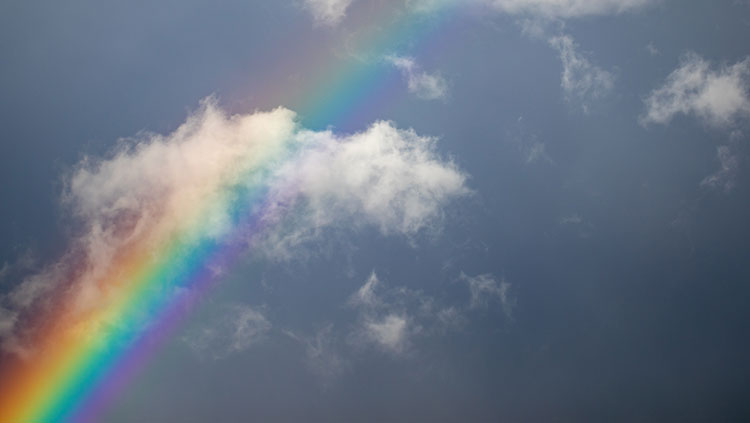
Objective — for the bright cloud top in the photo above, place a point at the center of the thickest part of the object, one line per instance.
(718, 97)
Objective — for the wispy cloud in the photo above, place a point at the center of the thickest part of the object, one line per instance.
(366, 295)
(485, 288)
(390, 318)
(725, 178)
(236, 329)
(424, 85)
(716, 96)
(582, 81)
(327, 12)
(389, 332)
(729, 164)
(322, 354)
(561, 9)
(383, 322)
(652, 50)
(545, 9)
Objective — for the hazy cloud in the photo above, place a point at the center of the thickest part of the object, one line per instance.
(390, 318)
(652, 50)
(327, 12)
(322, 354)
(236, 329)
(389, 332)
(582, 81)
(716, 96)
(422, 84)
(537, 151)
(567, 8)
(383, 322)
(366, 295)
(545, 9)
(729, 164)
(725, 178)
(573, 219)
(485, 288)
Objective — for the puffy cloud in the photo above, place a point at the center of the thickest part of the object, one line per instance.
(327, 12)
(156, 187)
(581, 80)
(238, 328)
(485, 288)
(422, 84)
(385, 177)
(718, 97)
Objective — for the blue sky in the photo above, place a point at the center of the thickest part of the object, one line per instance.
(568, 245)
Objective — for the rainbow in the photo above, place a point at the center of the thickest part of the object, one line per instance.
(73, 375)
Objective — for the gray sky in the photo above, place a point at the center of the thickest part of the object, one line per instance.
(579, 249)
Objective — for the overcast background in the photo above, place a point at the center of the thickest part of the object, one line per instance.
(598, 271)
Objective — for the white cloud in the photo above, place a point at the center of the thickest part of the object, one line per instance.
(581, 80)
(157, 186)
(390, 332)
(718, 97)
(485, 288)
(422, 84)
(238, 328)
(327, 12)
(385, 177)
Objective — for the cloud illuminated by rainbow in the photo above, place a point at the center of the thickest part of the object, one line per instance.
(164, 216)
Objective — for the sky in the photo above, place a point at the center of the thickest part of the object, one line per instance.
(374, 211)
